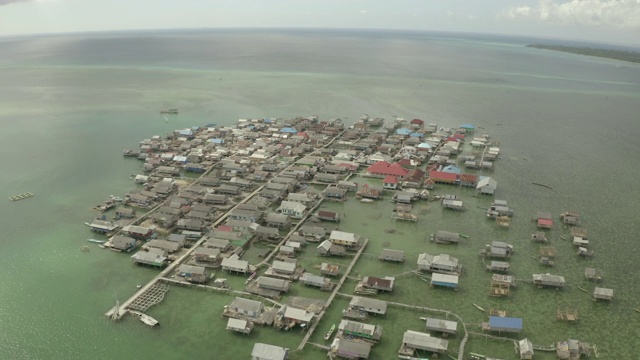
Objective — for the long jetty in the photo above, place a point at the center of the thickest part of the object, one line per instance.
(332, 296)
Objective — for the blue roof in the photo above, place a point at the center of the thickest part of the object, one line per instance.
(289, 130)
(467, 126)
(403, 131)
(186, 132)
(416, 134)
(505, 322)
(267, 120)
(216, 140)
(452, 169)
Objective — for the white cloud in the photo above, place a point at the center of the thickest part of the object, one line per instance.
(7, 2)
(614, 13)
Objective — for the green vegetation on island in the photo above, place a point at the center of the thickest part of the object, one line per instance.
(603, 53)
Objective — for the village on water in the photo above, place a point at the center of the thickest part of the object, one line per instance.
(209, 195)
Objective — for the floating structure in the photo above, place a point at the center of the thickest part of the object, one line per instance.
(593, 274)
(547, 254)
(169, 111)
(21, 196)
(392, 255)
(353, 329)
(584, 252)
(404, 216)
(413, 341)
(525, 349)
(453, 204)
(573, 349)
(320, 282)
(499, 266)
(349, 349)
(580, 232)
(539, 236)
(441, 326)
(543, 220)
(445, 280)
(360, 306)
(497, 249)
(445, 237)
(241, 326)
(268, 352)
(102, 226)
(501, 285)
(499, 208)
(570, 218)
(442, 263)
(570, 315)
(548, 280)
(602, 294)
(503, 325)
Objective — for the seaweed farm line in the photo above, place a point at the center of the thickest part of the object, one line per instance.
(263, 212)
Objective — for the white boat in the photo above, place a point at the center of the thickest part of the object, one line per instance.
(367, 200)
(253, 275)
(96, 241)
(116, 198)
(148, 320)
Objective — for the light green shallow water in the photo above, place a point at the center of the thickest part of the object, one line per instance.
(63, 128)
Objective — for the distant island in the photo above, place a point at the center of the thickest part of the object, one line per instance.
(603, 53)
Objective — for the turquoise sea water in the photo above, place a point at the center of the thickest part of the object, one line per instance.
(70, 104)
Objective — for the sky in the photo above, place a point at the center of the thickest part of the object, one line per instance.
(605, 21)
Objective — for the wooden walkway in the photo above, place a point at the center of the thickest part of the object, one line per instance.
(332, 296)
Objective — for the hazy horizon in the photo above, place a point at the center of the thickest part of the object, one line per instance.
(615, 22)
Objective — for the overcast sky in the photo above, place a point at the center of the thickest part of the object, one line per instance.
(610, 21)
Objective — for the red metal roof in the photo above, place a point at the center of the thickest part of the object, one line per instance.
(545, 222)
(469, 178)
(225, 228)
(442, 176)
(417, 122)
(390, 179)
(404, 163)
(384, 168)
(416, 175)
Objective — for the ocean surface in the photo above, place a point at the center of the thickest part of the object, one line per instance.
(69, 105)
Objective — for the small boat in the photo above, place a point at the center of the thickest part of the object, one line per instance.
(253, 275)
(478, 307)
(330, 332)
(21, 196)
(169, 111)
(367, 200)
(148, 320)
(116, 198)
(97, 241)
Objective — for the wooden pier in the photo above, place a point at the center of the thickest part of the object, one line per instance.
(21, 196)
(332, 296)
